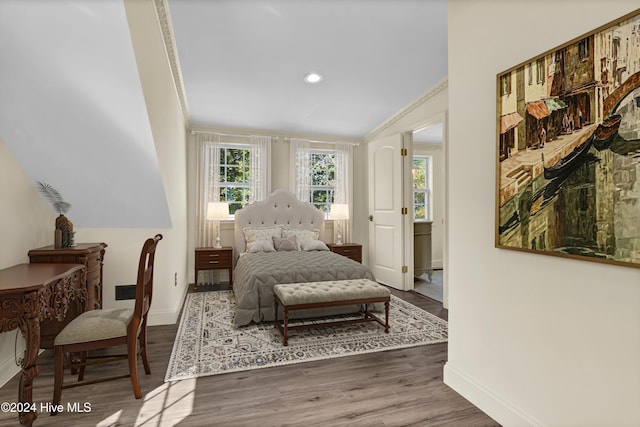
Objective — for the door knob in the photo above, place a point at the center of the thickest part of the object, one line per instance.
(371, 218)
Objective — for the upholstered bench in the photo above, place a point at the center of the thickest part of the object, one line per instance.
(302, 296)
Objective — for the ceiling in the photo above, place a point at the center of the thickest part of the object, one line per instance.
(72, 111)
(243, 62)
(73, 114)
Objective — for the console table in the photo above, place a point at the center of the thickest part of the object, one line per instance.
(31, 294)
(89, 254)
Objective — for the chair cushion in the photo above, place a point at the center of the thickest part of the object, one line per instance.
(94, 325)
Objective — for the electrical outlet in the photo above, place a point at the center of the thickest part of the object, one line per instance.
(175, 279)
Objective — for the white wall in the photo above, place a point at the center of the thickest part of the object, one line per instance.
(169, 134)
(27, 222)
(534, 340)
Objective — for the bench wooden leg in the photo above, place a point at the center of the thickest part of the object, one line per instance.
(275, 314)
(386, 317)
(286, 326)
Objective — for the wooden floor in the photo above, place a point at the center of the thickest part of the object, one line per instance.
(392, 388)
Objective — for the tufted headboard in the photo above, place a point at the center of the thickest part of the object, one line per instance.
(280, 207)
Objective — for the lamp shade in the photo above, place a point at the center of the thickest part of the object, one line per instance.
(217, 211)
(339, 211)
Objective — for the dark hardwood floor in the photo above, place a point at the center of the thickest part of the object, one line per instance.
(392, 388)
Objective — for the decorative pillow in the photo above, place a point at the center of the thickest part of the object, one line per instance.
(254, 234)
(262, 246)
(313, 245)
(302, 234)
(285, 243)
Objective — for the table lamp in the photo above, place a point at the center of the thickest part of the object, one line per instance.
(217, 211)
(339, 212)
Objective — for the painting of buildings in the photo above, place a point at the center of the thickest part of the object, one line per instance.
(568, 148)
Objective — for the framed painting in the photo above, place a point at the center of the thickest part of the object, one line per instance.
(568, 149)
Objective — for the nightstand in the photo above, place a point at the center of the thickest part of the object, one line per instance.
(350, 250)
(214, 259)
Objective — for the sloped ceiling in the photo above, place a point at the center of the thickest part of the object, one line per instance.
(72, 110)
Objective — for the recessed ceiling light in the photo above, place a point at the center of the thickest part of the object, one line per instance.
(313, 78)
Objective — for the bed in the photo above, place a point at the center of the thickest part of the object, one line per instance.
(258, 271)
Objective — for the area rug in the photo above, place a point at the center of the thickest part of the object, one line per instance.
(208, 342)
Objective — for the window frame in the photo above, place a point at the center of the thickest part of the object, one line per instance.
(226, 186)
(427, 192)
(328, 189)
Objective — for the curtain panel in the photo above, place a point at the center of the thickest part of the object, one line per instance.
(342, 192)
(300, 169)
(207, 186)
(260, 167)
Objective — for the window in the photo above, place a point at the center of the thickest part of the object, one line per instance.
(228, 168)
(583, 49)
(322, 176)
(540, 74)
(322, 183)
(422, 187)
(505, 84)
(235, 176)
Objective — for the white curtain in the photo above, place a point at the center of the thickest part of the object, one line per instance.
(207, 186)
(207, 190)
(300, 175)
(260, 168)
(342, 186)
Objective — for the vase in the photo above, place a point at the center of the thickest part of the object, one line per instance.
(66, 231)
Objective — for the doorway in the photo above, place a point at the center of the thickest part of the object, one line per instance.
(429, 209)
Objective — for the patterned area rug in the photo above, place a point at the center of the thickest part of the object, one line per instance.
(208, 343)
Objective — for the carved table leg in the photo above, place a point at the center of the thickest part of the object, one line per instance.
(30, 328)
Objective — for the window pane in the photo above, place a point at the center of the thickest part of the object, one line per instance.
(235, 156)
(419, 212)
(419, 173)
(319, 196)
(419, 198)
(233, 207)
(234, 174)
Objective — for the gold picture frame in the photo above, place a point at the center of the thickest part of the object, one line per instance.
(568, 149)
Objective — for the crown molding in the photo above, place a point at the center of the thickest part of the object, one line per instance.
(162, 11)
(421, 100)
(276, 135)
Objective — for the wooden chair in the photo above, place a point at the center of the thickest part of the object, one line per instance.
(97, 329)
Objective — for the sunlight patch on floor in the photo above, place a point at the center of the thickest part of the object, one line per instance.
(165, 406)
(168, 404)
(111, 420)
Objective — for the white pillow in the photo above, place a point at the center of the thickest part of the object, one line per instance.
(262, 246)
(254, 234)
(313, 245)
(302, 234)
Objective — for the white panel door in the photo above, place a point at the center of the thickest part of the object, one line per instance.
(386, 244)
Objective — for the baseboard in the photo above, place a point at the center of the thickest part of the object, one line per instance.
(163, 317)
(8, 370)
(486, 400)
(437, 264)
(168, 317)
